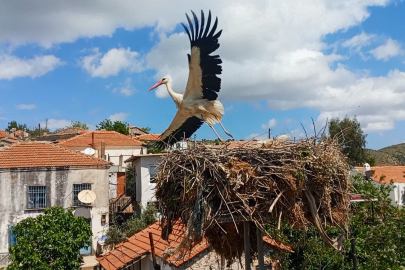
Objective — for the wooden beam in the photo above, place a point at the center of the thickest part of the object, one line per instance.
(152, 249)
(260, 253)
(246, 237)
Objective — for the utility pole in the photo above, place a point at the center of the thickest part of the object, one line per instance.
(269, 133)
(354, 253)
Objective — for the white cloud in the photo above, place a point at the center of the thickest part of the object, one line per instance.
(112, 62)
(26, 106)
(272, 123)
(118, 116)
(12, 67)
(358, 41)
(125, 89)
(292, 70)
(390, 49)
(53, 124)
(271, 50)
(50, 22)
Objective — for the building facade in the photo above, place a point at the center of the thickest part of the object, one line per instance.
(37, 175)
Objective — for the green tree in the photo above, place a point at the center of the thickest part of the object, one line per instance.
(115, 234)
(79, 124)
(118, 126)
(38, 131)
(350, 135)
(146, 129)
(50, 241)
(130, 187)
(377, 227)
(14, 124)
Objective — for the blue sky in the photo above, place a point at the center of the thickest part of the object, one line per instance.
(284, 64)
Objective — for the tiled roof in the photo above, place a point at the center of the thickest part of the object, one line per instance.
(43, 154)
(3, 134)
(139, 244)
(68, 130)
(148, 137)
(110, 138)
(394, 173)
(132, 158)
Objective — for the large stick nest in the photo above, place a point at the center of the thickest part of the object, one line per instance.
(213, 190)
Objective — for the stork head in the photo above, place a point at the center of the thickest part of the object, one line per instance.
(164, 80)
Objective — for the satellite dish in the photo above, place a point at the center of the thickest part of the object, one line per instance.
(86, 196)
(89, 151)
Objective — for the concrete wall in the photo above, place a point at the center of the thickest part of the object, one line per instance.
(113, 153)
(59, 183)
(396, 195)
(145, 190)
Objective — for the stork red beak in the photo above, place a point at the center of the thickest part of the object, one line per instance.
(156, 85)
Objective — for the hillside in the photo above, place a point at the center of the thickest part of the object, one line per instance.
(391, 155)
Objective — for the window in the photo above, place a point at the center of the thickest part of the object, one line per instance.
(76, 190)
(12, 238)
(36, 197)
(152, 173)
(403, 196)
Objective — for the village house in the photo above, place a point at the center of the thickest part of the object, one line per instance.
(136, 131)
(111, 146)
(385, 175)
(144, 168)
(37, 175)
(135, 252)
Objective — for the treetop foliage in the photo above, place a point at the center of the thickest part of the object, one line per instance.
(350, 135)
(51, 240)
(118, 126)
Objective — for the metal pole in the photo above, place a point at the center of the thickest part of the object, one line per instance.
(260, 253)
(246, 236)
(353, 242)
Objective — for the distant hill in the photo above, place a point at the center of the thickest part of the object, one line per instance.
(391, 155)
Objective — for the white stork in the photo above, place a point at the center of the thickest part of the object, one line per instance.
(199, 103)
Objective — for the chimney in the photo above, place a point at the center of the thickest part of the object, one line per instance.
(92, 140)
(102, 150)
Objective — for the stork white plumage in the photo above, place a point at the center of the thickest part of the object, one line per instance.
(199, 103)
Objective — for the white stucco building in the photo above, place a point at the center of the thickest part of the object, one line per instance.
(111, 146)
(386, 174)
(144, 169)
(37, 175)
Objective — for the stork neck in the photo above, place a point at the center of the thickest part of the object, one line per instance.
(177, 98)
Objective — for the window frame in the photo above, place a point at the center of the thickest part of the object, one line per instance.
(35, 202)
(12, 237)
(152, 179)
(75, 193)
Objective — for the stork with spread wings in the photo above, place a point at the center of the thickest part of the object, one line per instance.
(199, 103)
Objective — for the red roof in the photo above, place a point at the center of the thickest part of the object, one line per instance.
(110, 138)
(139, 244)
(3, 134)
(43, 154)
(148, 137)
(394, 173)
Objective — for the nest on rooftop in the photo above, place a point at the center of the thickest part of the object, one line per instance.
(213, 190)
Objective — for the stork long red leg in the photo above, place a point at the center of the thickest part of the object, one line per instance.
(227, 133)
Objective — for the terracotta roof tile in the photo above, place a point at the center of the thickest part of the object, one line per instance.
(110, 138)
(43, 154)
(148, 137)
(394, 173)
(3, 134)
(138, 245)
